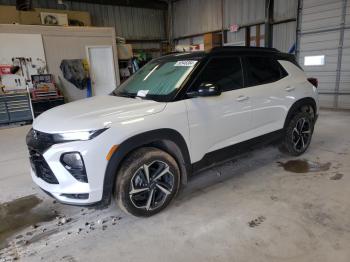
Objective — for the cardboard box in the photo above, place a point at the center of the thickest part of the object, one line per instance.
(124, 51)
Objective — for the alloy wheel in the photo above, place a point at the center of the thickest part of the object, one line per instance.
(151, 185)
(301, 134)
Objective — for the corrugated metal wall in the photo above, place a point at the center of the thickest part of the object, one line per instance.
(284, 36)
(129, 22)
(285, 9)
(201, 16)
(193, 17)
(243, 12)
(323, 33)
(196, 17)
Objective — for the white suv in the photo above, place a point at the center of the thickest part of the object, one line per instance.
(179, 114)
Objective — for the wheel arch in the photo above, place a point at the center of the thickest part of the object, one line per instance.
(168, 140)
(297, 106)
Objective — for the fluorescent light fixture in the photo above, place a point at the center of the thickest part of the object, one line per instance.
(315, 60)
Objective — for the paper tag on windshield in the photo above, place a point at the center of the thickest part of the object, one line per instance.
(185, 63)
(142, 93)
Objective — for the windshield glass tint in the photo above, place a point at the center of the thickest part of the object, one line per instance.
(157, 79)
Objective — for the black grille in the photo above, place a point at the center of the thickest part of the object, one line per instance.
(39, 141)
(41, 168)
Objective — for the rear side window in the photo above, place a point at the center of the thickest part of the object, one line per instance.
(263, 70)
(226, 72)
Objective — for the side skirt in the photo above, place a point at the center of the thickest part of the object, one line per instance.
(217, 157)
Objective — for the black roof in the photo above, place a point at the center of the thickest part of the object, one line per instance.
(245, 49)
(227, 50)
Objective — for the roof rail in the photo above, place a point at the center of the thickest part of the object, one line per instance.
(242, 48)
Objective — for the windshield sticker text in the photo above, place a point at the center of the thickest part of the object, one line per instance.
(185, 63)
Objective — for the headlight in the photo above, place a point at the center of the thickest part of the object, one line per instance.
(74, 136)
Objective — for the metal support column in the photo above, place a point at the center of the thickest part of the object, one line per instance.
(269, 6)
(298, 32)
(340, 53)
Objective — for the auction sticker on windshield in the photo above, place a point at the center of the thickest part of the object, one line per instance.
(185, 63)
(142, 93)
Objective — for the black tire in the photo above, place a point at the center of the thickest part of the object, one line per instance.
(134, 187)
(295, 142)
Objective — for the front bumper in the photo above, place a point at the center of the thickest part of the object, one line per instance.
(49, 174)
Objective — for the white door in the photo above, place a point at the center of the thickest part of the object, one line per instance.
(267, 82)
(102, 70)
(219, 121)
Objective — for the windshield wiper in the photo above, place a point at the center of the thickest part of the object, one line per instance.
(125, 95)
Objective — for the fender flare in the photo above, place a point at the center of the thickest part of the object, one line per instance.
(297, 105)
(168, 140)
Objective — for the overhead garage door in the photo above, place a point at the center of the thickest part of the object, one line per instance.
(324, 49)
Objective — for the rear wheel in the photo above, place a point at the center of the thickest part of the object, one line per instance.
(147, 181)
(298, 134)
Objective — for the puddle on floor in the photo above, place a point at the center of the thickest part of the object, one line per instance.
(304, 166)
(19, 214)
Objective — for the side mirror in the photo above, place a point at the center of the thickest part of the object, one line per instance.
(206, 89)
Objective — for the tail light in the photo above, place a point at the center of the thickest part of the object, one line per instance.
(313, 81)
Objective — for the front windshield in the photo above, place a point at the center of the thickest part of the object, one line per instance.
(158, 80)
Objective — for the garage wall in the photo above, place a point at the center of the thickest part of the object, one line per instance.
(323, 32)
(201, 16)
(284, 34)
(129, 22)
(193, 17)
(285, 9)
(243, 12)
(67, 43)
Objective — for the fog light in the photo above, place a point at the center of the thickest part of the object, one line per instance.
(74, 163)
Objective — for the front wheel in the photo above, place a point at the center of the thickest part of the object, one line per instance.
(147, 181)
(298, 134)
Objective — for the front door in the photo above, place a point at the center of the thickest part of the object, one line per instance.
(219, 121)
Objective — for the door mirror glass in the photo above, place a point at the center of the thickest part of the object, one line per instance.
(206, 89)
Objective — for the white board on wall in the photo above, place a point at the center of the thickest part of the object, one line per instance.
(20, 45)
(29, 46)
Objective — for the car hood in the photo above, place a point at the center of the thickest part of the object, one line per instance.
(94, 113)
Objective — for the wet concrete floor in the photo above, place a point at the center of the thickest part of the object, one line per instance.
(304, 166)
(19, 214)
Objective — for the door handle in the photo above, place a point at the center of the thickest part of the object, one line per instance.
(242, 98)
(289, 88)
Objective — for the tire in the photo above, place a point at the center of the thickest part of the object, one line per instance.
(142, 195)
(298, 134)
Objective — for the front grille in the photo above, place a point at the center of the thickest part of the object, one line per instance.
(39, 141)
(41, 168)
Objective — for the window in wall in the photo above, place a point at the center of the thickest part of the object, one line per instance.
(225, 72)
(263, 70)
(314, 60)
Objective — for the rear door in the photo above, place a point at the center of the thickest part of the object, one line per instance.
(266, 80)
(219, 121)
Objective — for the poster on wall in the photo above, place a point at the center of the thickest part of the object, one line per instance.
(21, 56)
(57, 19)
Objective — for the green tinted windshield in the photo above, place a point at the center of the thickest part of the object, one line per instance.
(157, 79)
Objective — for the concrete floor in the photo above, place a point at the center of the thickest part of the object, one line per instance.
(246, 210)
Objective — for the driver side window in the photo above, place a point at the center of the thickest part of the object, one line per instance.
(225, 72)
